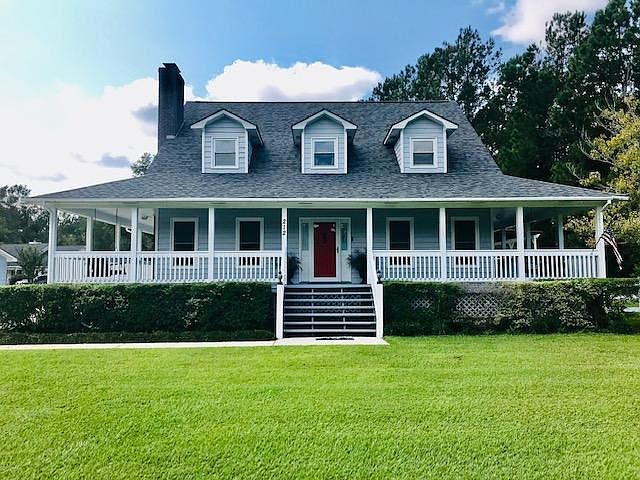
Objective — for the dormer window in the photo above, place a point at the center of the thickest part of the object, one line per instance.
(324, 152)
(420, 142)
(225, 152)
(324, 140)
(423, 152)
(227, 142)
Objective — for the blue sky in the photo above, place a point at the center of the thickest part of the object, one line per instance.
(77, 72)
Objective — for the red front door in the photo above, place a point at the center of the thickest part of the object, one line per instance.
(324, 249)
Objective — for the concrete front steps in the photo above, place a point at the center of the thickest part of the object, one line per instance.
(329, 310)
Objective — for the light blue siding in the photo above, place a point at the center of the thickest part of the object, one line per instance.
(226, 227)
(225, 239)
(425, 225)
(484, 224)
(3, 270)
(324, 128)
(427, 129)
(225, 127)
(164, 225)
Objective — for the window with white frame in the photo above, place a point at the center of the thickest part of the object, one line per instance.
(324, 152)
(423, 152)
(249, 238)
(225, 152)
(249, 233)
(465, 233)
(184, 235)
(399, 234)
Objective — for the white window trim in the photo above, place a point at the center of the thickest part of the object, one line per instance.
(435, 165)
(213, 152)
(411, 231)
(249, 219)
(334, 139)
(184, 219)
(475, 219)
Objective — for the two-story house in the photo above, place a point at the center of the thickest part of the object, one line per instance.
(238, 187)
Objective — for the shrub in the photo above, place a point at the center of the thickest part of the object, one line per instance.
(225, 307)
(565, 306)
(535, 307)
(419, 308)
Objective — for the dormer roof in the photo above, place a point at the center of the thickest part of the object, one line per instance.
(300, 126)
(394, 131)
(254, 132)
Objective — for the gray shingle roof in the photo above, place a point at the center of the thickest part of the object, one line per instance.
(275, 169)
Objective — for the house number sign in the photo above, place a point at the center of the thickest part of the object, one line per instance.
(284, 227)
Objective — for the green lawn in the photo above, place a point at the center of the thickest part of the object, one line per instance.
(559, 406)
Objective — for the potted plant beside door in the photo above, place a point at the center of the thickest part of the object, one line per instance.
(358, 261)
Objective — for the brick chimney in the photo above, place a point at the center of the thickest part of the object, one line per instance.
(170, 101)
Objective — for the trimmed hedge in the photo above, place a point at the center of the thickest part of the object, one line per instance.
(528, 307)
(188, 307)
(419, 308)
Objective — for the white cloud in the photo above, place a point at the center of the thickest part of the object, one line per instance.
(260, 81)
(524, 22)
(71, 139)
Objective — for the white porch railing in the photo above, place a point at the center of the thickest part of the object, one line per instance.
(92, 267)
(485, 265)
(542, 264)
(166, 267)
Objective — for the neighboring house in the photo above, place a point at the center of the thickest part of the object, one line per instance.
(236, 186)
(4, 259)
(11, 252)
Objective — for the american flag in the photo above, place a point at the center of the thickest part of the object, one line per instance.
(609, 239)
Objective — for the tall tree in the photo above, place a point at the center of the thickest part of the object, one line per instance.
(19, 222)
(31, 260)
(461, 71)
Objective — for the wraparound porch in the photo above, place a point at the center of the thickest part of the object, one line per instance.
(412, 244)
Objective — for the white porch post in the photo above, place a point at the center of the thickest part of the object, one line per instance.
(88, 235)
(211, 242)
(283, 272)
(371, 260)
(284, 244)
(520, 241)
(133, 268)
(600, 246)
(53, 243)
(442, 241)
(560, 226)
(372, 277)
(116, 236)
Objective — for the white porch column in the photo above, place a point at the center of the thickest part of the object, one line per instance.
(442, 241)
(371, 259)
(53, 243)
(116, 236)
(211, 242)
(520, 241)
(88, 235)
(285, 243)
(600, 246)
(560, 226)
(133, 268)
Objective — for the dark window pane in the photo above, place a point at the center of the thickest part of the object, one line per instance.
(465, 234)
(400, 235)
(184, 236)
(423, 158)
(249, 235)
(323, 159)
